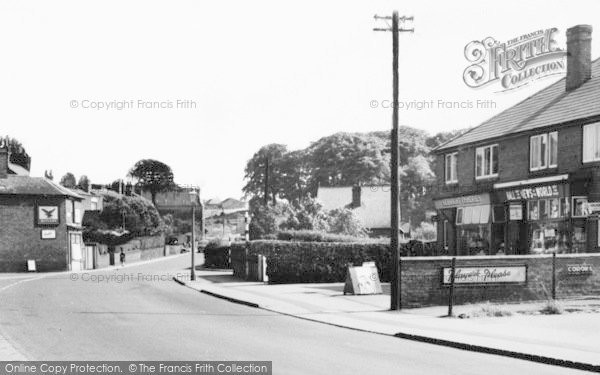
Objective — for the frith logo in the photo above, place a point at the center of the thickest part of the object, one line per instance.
(514, 63)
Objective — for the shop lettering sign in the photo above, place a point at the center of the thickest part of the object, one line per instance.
(486, 275)
(47, 215)
(469, 200)
(593, 207)
(533, 193)
(579, 269)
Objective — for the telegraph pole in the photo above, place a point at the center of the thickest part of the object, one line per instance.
(396, 298)
(267, 180)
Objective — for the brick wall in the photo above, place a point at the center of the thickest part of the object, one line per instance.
(21, 237)
(422, 279)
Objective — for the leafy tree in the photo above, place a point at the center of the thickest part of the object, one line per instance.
(266, 219)
(306, 214)
(344, 221)
(344, 159)
(417, 180)
(256, 170)
(84, 183)
(153, 175)
(17, 152)
(68, 180)
(295, 175)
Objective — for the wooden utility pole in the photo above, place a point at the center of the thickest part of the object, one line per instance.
(266, 180)
(396, 298)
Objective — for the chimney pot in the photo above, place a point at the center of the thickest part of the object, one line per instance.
(579, 56)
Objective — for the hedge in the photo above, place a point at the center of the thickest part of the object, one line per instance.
(318, 262)
(316, 236)
(216, 255)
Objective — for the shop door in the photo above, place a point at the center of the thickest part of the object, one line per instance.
(75, 241)
(516, 238)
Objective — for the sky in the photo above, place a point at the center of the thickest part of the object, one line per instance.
(91, 87)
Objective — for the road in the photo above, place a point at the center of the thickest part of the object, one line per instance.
(130, 317)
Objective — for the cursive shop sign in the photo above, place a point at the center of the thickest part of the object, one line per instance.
(486, 275)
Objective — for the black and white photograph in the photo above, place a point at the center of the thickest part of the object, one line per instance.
(284, 187)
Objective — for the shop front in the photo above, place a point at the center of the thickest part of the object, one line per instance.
(465, 222)
(542, 218)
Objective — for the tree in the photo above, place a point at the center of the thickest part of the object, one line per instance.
(344, 221)
(417, 179)
(84, 183)
(306, 214)
(68, 180)
(17, 152)
(346, 159)
(153, 175)
(256, 171)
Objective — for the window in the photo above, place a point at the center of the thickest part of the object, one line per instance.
(451, 175)
(591, 143)
(543, 151)
(486, 161)
(580, 207)
(544, 209)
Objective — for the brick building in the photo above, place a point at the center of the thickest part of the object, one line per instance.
(527, 181)
(40, 221)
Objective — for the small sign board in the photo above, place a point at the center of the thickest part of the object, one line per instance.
(486, 275)
(48, 234)
(47, 215)
(579, 269)
(31, 265)
(362, 280)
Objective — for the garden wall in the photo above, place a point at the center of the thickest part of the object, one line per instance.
(422, 277)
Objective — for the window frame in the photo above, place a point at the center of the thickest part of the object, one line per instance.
(547, 155)
(491, 161)
(596, 126)
(453, 157)
(573, 207)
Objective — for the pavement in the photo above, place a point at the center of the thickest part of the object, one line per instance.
(569, 339)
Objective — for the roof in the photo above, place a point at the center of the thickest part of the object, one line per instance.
(25, 185)
(550, 106)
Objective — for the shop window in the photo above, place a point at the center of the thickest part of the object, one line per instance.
(580, 207)
(486, 161)
(591, 143)
(548, 237)
(543, 151)
(473, 239)
(579, 238)
(554, 208)
(451, 173)
(544, 209)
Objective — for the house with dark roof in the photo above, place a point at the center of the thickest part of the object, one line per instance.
(40, 224)
(527, 181)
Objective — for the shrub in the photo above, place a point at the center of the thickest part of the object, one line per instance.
(216, 254)
(344, 221)
(489, 310)
(315, 262)
(425, 232)
(552, 307)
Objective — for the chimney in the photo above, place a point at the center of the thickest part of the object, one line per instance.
(356, 196)
(3, 162)
(579, 56)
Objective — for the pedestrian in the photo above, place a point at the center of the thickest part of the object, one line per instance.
(122, 257)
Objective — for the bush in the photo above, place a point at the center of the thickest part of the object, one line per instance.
(489, 310)
(315, 262)
(344, 221)
(552, 308)
(216, 254)
(425, 232)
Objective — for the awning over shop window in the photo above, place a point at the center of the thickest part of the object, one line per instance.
(473, 215)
